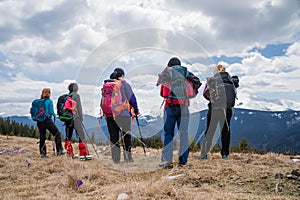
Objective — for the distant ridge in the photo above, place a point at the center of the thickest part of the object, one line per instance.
(264, 130)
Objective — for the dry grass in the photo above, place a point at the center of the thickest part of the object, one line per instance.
(24, 175)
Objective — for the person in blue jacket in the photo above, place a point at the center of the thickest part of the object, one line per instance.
(122, 122)
(50, 125)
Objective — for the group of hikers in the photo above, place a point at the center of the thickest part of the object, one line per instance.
(42, 111)
(119, 106)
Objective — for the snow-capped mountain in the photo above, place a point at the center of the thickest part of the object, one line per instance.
(244, 101)
(254, 102)
(264, 130)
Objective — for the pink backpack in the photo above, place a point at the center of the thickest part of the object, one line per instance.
(112, 102)
(71, 105)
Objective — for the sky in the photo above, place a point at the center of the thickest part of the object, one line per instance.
(54, 43)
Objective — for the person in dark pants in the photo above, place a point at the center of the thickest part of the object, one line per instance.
(114, 128)
(48, 124)
(218, 118)
(76, 123)
(122, 121)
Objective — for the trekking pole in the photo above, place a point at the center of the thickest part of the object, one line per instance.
(137, 121)
(228, 128)
(53, 141)
(90, 140)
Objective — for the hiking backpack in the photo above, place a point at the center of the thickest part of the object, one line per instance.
(222, 92)
(66, 107)
(179, 88)
(37, 110)
(113, 100)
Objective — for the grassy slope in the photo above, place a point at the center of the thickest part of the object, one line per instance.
(241, 176)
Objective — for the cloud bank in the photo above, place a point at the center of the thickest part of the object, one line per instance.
(47, 44)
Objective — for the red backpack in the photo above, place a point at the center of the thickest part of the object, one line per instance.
(113, 101)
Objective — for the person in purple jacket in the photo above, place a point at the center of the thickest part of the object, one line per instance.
(122, 122)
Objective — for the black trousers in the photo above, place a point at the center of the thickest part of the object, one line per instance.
(120, 124)
(76, 124)
(43, 127)
(215, 116)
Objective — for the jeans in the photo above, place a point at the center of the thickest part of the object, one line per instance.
(181, 116)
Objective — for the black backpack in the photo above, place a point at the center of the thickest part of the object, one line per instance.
(63, 114)
(222, 90)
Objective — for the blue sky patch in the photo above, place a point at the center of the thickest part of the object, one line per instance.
(229, 60)
(272, 50)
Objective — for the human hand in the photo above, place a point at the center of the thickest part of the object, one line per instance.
(136, 114)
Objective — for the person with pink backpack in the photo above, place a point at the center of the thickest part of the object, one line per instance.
(76, 123)
(116, 103)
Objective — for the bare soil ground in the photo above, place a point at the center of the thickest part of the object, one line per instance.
(24, 175)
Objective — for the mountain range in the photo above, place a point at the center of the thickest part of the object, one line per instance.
(277, 131)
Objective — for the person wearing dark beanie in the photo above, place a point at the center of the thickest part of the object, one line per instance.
(176, 109)
(120, 122)
(174, 61)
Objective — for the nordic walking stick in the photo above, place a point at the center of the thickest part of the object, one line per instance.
(137, 121)
(53, 141)
(90, 140)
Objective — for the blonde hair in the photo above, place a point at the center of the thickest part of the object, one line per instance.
(46, 93)
(219, 68)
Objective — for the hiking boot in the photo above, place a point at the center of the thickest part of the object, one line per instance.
(69, 148)
(224, 156)
(116, 162)
(115, 154)
(82, 149)
(128, 157)
(44, 156)
(203, 157)
(165, 164)
(61, 152)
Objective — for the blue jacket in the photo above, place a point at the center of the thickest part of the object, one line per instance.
(49, 107)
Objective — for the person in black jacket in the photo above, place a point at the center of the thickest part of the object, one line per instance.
(219, 109)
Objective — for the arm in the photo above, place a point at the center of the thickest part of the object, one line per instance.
(235, 80)
(131, 97)
(49, 108)
(206, 94)
(195, 80)
(76, 98)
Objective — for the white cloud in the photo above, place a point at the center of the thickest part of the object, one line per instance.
(260, 75)
(45, 43)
